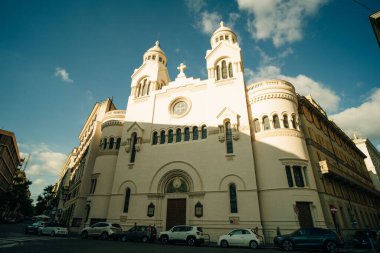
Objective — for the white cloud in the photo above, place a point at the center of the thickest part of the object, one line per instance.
(195, 5)
(40, 182)
(43, 161)
(363, 120)
(208, 22)
(279, 20)
(63, 74)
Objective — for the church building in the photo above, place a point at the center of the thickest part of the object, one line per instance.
(217, 153)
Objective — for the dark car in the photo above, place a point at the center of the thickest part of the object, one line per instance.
(310, 238)
(33, 228)
(140, 233)
(361, 238)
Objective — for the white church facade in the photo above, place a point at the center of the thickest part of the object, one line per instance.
(215, 153)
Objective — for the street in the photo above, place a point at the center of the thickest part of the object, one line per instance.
(13, 240)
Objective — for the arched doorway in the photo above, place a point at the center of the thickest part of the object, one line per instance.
(176, 190)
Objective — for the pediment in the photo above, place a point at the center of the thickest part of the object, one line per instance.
(135, 127)
(227, 113)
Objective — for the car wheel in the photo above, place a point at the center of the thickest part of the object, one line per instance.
(123, 238)
(144, 239)
(287, 245)
(104, 236)
(84, 235)
(52, 234)
(253, 244)
(331, 247)
(191, 241)
(224, 244)
(164, 240)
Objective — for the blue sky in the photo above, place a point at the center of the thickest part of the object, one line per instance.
(58, 58)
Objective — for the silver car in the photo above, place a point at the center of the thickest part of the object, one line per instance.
(102, 230)
(53, 229)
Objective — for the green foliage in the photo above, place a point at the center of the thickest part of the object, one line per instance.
(46, 201)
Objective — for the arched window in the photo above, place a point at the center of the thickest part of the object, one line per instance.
(217, 72)
(294, 124)
(233, 198)
(104, 143)
(162, 137)
(133, 148)
(155, 138)
(286, 121)
(204, 132)
(195, 133)
(276, 121)
(230, 74)
(145, 87)
(266, 123)
(170, 136)
(257, 125)
(187, 134)
(138, 90)
(178, 134)
(126, 200)
(118, 143)
(229, 144)
(224, 70)
(148, 89)
(112, 140)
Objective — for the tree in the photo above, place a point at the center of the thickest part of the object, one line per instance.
(45, 202)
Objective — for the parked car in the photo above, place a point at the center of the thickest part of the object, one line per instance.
(53, 229)
(33, 228)
(361, 238)
(312, 238)
(239, 237)
(140, 233)
(192, 235)
(102, 230)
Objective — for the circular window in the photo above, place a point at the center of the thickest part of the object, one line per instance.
(179, 107)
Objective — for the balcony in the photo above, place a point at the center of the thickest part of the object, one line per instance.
(328, 169)
(115, 117)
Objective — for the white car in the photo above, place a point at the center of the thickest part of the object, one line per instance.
(240, 238)
(102, 230)
(53, 229)
(191, 235)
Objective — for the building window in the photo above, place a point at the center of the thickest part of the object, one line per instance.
(126, 200)
(204, 132)
(289, 176)
(266, 123)
(195, 133)
(306, 176)
(286, 121)
(198, 210)
(217, 72)
(230, 74)
(118, 143)
(112, 140)
(148, 89)
(155, 138)
(187, 134)
(276, 121)
(133, 152)
(229, 144)
(294, 124)
(170, 136)
(298, 177)
(224, 70)
(178, 134)
(105, 143)
(93, 185)
(233, 198)
(257, 125)
(151, 208)
(162, 137)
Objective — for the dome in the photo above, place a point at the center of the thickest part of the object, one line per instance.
(223, 33)
(155, 53)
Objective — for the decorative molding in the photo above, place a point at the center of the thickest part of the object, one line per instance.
(285, 96)
(278, 132)
(112, 123)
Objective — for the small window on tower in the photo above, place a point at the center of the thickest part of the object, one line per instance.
(153, 57)
(160, 59)
(226, 37)
(149, 57)
(221, 37)
(216, 40)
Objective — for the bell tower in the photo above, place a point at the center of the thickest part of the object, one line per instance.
(224, 59)
(152, 74)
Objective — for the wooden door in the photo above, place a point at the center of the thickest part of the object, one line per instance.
(176, 213)
(304, 215)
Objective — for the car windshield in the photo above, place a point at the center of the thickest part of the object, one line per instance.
(199, 229)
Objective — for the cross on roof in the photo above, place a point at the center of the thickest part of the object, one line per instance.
(181, 68)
